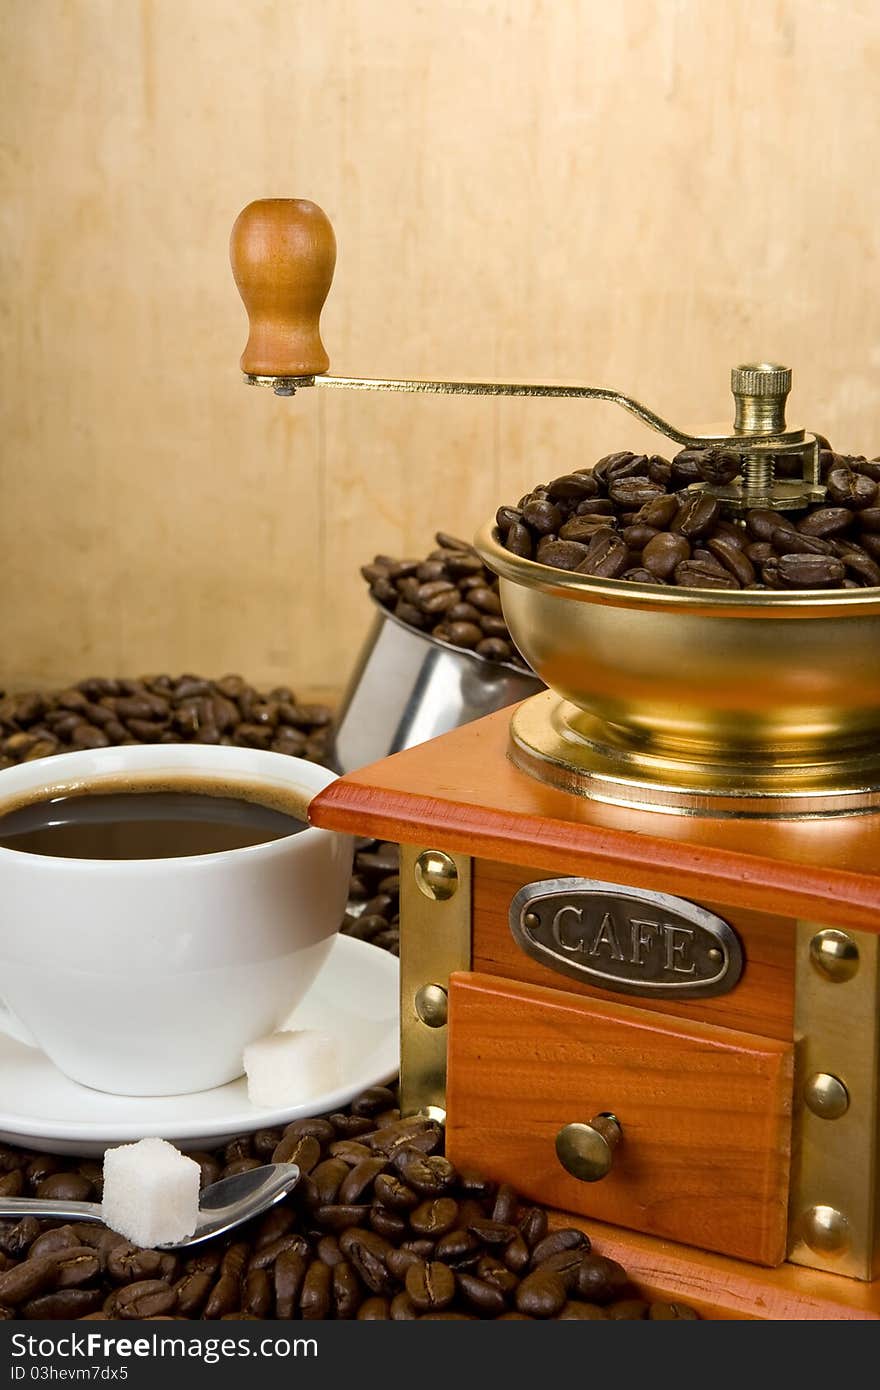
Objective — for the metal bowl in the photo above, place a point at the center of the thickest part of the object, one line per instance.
(408, 687)
(673, 695)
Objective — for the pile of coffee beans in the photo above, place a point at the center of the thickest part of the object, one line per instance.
(373, 912)
(99, 711)
(633, 517)
(381, 1226)
(450, 594)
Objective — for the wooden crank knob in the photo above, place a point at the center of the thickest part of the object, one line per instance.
(283, 252)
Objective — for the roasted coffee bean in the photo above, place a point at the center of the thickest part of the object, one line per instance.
(810, 571)
(64, 1304)
(542, 1294)
(846, 488)
(374, 1310)
(533, 1226)
(632, 493)
(606, 556)
(487, 1298)
(191, 1292)
(663, 552)
(494, 1272)
(346, 1289)
(458, 1248)
(572, 487)
(627, 1309)
(392, 1192)
(826, 521)
(53, 1241)
(289, 1275)
(516, 1254)
(434, 1217)
(266, 1255)
(402, 1308)
(144, 1299)
(359, 1180)
(566, 1238)
(128, 1263)
(75, 1266)
(542, 516)
(26, 1280)
(519, 541)
(671, 1312)
(697, 574)
(429, 1174)
(565, 1263)
(258, 1294)
(718, 466)
(276, 1223)
(574, 1309)
(733, 558)
(430, 1285)
(601, 1280)
(368, 1252)
(697, 515)
(315, 1299)
(581, 529)
(389, 1224)
(399, 1260)
(562, 554)
(225, 1297)
(493, 1233)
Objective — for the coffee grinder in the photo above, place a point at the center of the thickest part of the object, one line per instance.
(639, 916)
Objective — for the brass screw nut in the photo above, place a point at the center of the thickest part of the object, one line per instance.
(834, 955)
(826, 1096)
(436, 875)
(431, 1004)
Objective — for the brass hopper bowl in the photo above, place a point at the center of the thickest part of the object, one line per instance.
(696, 701)
(691, 700)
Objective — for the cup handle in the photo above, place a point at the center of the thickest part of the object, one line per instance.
(14, 1027)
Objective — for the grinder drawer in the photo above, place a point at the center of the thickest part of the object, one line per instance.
(704, 1112)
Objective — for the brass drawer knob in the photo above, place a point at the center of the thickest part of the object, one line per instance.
(587, 1151)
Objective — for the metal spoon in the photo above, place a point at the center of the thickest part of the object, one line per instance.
(222, 1206)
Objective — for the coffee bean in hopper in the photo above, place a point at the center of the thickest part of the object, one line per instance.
(641, 522)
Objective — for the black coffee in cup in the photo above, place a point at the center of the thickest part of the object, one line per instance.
(129, 824)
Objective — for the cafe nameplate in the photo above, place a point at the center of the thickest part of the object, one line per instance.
(626, 939)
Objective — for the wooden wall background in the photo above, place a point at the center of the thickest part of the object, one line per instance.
(622, 191)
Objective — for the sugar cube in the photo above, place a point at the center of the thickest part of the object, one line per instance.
(151, 1192)
(291, 1066)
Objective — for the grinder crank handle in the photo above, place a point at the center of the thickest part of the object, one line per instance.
(283, 253)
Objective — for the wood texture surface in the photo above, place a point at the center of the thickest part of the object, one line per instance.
(723, 1288)
(635, 194)
(762, 1002)
(705, 1112)
(461, 792)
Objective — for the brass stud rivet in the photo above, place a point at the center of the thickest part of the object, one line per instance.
(436, 875)
(715, 955)
(826, 1096)
(825, 1230)
(431, 1004)
(532, 921)
(835, 955)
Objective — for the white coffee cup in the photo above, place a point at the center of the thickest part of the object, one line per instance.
(149, 976)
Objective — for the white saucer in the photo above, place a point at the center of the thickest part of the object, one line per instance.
(355, 998)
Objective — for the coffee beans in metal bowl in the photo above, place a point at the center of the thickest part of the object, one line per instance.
(633, 517)
(450, 596)
(381, 1226)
